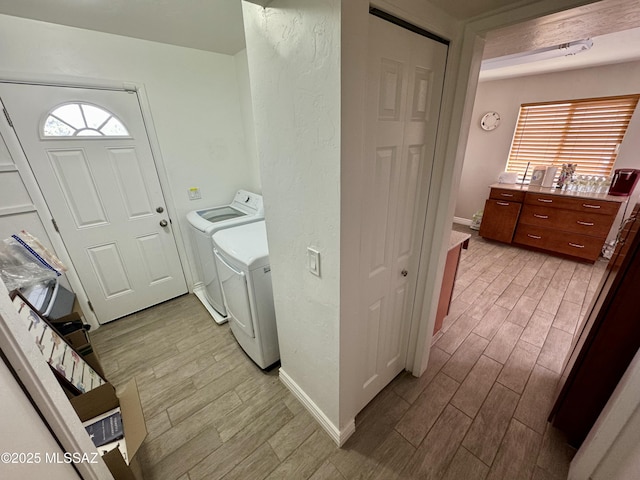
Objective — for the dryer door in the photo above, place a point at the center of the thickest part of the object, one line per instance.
(236, 294)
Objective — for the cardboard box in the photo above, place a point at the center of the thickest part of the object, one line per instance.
(81, 343)
(79, 340)
(101, 400)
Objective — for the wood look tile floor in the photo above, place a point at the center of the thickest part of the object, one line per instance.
(478, 412)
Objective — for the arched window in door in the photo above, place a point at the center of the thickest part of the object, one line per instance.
(82, 120)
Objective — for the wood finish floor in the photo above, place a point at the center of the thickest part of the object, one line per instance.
(479, 412)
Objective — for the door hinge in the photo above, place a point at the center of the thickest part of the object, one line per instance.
(6, 114)
(90, 306)
(55, 225)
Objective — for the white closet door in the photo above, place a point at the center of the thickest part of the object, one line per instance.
(405, 80)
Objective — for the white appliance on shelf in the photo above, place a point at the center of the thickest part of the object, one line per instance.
(246, 207)
(242, 257)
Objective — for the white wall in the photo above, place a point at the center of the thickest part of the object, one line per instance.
(194, 96)
(294, 60)
(487, 152)
(244, 89)
(24, 432)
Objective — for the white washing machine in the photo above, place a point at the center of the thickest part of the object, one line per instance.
(246, 207)
(242, 256)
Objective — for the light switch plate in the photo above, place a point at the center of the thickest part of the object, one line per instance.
(313, 261)
(194, 193)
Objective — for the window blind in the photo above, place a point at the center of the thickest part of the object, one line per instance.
(587, 132)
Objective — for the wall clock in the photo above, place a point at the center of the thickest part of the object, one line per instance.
(490, 121)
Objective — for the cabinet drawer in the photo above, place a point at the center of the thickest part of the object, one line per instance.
(585, 205)
(506, 194)
(499, 220)
(574, 244)
(585, 223)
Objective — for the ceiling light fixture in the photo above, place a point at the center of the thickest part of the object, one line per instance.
(562, 50)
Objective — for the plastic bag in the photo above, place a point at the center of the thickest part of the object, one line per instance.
(25, 261)
(476, 220)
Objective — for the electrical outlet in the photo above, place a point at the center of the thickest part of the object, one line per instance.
(194, 193)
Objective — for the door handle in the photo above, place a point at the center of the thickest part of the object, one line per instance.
(160, 209)
(163, 223)
(404, 273)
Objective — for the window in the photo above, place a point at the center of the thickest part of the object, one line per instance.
(82, 120)
(586, 132)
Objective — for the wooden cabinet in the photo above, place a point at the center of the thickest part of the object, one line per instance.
(591, 224)
(605, 343)
(458, 241)
(499, 220)
(549, 220)
(506, 194)
(501, 212)
(554, 240)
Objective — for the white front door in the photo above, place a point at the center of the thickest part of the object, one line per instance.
(404, 88)
(91, 157)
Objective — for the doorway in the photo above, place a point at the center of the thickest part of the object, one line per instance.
(90, 155)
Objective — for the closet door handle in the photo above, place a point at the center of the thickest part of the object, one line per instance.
(586, 224)
(506, 194)
(586, 205)
(535, 237)
(575, 245)
(545, 200)
(503, 204)
(544, 217)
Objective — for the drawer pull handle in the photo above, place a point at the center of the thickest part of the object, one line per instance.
(576, 245)
(545, 200)
(536, 237)
(586, 224)
(503, 204)
(506, 194)
(586, 205)
(544, 217)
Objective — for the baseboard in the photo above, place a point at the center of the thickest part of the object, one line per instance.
(338, 436)
(462, 221)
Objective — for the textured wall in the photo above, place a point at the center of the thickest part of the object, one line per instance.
(294, 62)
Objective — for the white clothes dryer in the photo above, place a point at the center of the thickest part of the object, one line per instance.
(246, 207)
(242, 257)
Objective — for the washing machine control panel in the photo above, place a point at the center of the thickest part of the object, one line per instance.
(248, 201)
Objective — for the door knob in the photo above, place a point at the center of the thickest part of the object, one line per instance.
(163, 223)
(404, 273)
(160, 209)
